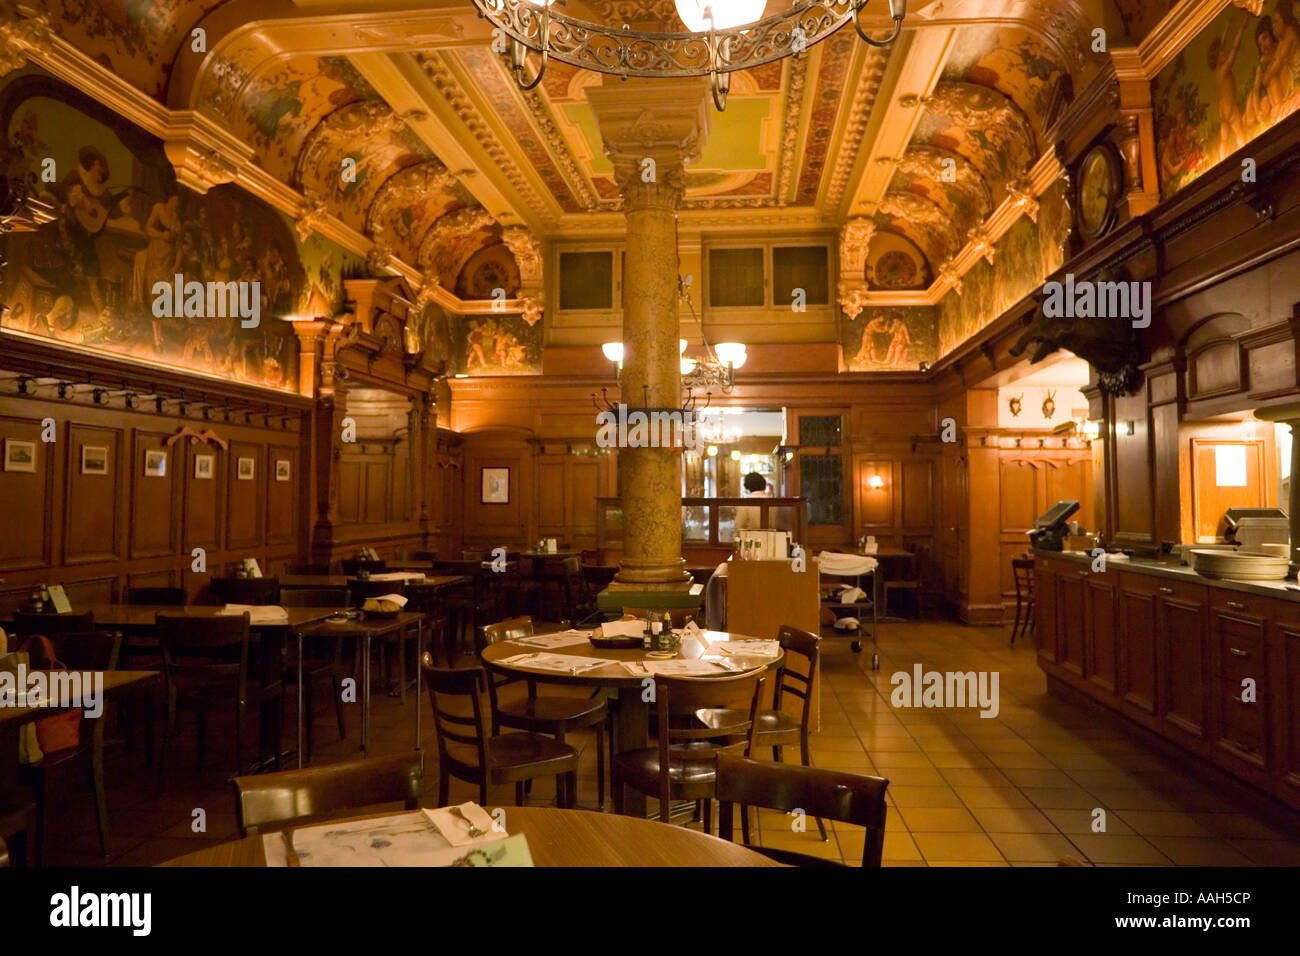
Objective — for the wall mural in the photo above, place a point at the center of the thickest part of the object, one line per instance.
(1023, 258)
(1238, 78)
(122, 223)
(889, 339)
(495, 345)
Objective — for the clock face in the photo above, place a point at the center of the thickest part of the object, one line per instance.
(1098, 190)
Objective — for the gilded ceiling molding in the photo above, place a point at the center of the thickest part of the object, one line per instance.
(1180, 27)
(855, 243)
(202, 153)
(310, 215)
(932, 163)
(447, 86)
(459, 223)
(421, 183)
(865, 90)
(523, 245)
(24, 34)
(555, 142)
(790, 125)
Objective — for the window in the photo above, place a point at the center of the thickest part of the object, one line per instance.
(822, 483)
(823, 430)
(586, 280)
(736, 278)
(800, 267)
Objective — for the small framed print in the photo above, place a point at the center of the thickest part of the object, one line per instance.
(282, 470)
(496, 486)
(155, 464)
(20, 455)
(204, 466)
(94, 460)
(245, 469)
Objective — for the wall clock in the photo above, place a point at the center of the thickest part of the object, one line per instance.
(1099, 183)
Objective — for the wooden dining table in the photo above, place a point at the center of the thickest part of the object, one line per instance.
(555, 838)
(301, 581)
(632, 720)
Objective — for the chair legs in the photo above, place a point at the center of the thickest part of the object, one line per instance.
(97, 784)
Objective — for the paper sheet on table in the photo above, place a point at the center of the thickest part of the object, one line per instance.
(551, 641)
(405, 839)
(555, 663)
(753, 648)
(259, 613)
(693, 667)
(397, 576)
(623, 628)
(456, 831)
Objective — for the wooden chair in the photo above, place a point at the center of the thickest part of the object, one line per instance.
(468, 752)
(777, 729)
(427, 600)
(171, 597)
(1022, 572)
(18, 834)
(850, 798)
(245, 590)
(474, 601)
(290, 798)
(915, 584)
(26, 624)
(556, 715)
(318, 667)
(91, 651)
(205, 661)
(579, 601)
(682, 766)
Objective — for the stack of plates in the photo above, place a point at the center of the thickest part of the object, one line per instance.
(1239, 565)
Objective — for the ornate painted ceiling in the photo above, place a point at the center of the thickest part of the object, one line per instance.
(445, 157)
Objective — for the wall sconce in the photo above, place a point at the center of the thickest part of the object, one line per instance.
(735, 455)
(875, 482)
(713, 451)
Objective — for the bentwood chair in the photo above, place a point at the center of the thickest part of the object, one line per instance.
(427, 599)
(776, 728)
(682, 765)
(245, 590)
(850, 798)
(205, 662)
(553, 715)
(290, 798)
(1022, 572)
(467, 751)
(318, 667)
(140, 653)
(92, 651)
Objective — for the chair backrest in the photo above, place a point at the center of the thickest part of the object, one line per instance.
(277, 800)
(361, 590)
(677, 701)
(807, 645)
(205, 650)
(306, 569)
(850, 798)
(245, 590)
(457, 730)
(352, 565)
(1022, 573)
(170, 597)
(26, 623)
(579, 601)
(315, 597)
(90, 651)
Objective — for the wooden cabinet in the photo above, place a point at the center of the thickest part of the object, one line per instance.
(1238, 627)
(1136, 646)
(1182, 664)
(1284, 665)
(1071, 622)
(1100, 628)
(1046, 601)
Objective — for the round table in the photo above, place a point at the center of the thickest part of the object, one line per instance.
(632, 718)
(558, 838)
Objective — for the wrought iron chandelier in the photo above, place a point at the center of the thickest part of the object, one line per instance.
(722, 36)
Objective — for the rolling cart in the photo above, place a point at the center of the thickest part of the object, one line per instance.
(855, 566)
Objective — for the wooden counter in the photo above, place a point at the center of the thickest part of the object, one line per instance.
(1177, 654)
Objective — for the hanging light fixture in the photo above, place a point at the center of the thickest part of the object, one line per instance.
(722, 36)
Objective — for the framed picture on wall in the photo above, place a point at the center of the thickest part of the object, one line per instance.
(155, 464)
(496, 486)
(282, 470)
(20, 455)
(205, 466)
(245, 468)
(94, 460)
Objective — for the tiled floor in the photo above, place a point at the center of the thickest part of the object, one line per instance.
(1021, 789)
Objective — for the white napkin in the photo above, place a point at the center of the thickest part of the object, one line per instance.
(397, 599)
(456, 831)
(852, 595)
(623, 628)
(397, 576)
(259, 613)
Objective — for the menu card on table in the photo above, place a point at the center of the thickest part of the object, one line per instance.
(554, 663)
(259, 613)
(551, 641)
(693, 667)
(746, 648)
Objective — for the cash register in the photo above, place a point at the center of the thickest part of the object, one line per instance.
(1050, 528)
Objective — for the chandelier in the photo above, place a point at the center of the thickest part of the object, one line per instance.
(713, 431)
(721, 36)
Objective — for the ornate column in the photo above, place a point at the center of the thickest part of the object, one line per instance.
(651, 128)
(320, 375)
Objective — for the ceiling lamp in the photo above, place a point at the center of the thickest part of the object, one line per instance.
(723, 36)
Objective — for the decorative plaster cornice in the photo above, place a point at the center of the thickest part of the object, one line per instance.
(865, 91)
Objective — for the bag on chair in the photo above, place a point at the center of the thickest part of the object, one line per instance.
(62, 731)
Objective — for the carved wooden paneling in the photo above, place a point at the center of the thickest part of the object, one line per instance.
(246, 497)
(153, 531)
(201, 508)
(26, 541)
(92, 529)
(282, 497)
(1216, 368)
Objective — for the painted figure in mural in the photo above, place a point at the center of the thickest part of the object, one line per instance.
(1221, 63)
(900, 340)
(86, 207)
(158, 261)
(477, 333)
(878, 326)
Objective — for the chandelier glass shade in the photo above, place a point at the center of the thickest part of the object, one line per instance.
(722, 36)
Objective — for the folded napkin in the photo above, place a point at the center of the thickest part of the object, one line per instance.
(845, 565)
(623, 628)
(259, 613)
(456, 831)
(852, 595)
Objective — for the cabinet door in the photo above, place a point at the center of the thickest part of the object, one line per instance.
(1099, 637)
(1237, 641)
(1136, 665)
(1184, 668)
(1071, 614)
(1286, 684)
(1046, 600)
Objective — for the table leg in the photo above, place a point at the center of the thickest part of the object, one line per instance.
(419, 669)
(300, 708)
(365, 694)
(632, 732)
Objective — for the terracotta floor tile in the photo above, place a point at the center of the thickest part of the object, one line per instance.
(1269, 852)
(1081, 821)
(1106, 848)
(1021, 761)
(1018, 820)
(904, 796)
(978, 777)
(899, 845)
(1040, 779)
(1060, 798)
(1191, 851)
(958, 847)
(1006, 798)
(1238, 825)
(1032, 847)
(886, 761)
(938, 820)
(1153, 823)
(914, 777)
